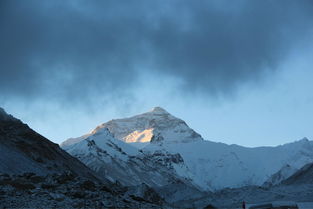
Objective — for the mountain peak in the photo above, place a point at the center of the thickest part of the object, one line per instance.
(154, 126)
(158, 110)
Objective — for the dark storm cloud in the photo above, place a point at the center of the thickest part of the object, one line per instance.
(78, 49)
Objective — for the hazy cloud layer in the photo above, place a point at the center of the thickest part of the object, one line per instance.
(79, 49)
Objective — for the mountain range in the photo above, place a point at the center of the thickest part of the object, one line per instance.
(151, 160)
(210, 166)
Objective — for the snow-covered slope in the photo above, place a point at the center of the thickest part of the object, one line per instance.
(119, 161)
(210, 165)
(297, 189)
(23, 150)
(216, 165)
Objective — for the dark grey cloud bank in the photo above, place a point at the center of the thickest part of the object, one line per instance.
(78, 49)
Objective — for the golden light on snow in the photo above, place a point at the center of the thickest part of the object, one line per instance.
(139, 136)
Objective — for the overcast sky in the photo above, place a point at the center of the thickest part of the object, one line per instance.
(236, 71)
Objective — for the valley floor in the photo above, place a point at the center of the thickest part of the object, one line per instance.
(67, 191)
(233, 198)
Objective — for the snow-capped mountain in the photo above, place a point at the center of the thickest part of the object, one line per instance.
(119, 161)
(216, 165)
(210, 165)
(295, 190)
(156, 125)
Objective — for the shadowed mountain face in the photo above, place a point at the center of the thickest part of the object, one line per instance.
(24, 150)
(43, 174)
(302, 176)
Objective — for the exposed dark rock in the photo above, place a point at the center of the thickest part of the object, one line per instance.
(65, 177)
(21, 185)
(78, 194)
(18, 191)
(28, 151)
(140, 199)
(36, 179)
(152, 196)
(48, 186)
(88, 185)
(209, 207)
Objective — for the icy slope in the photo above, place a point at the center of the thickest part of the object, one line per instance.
(119, 161)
